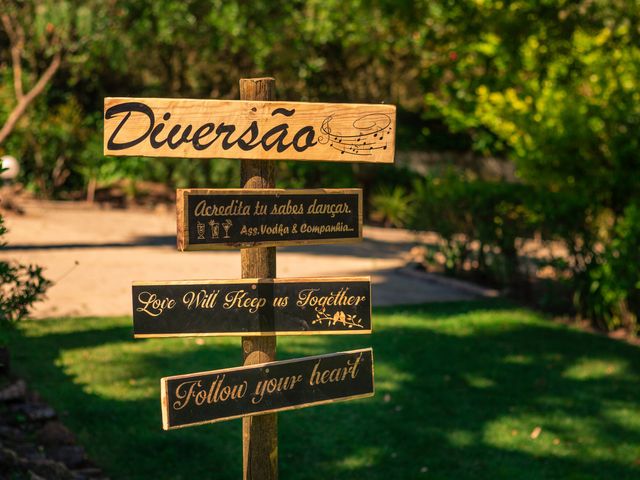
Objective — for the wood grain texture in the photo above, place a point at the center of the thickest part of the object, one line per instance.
(249, 129)
(259, 434)
(185, 218)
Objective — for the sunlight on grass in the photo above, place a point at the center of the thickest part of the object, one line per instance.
(558, 435)
(594, 368)
(390, 379)
(366, 457)
(625, 414)
(517, 359)
(477, 381)
(461, 438)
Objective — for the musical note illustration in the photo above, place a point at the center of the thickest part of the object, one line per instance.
(356, 134)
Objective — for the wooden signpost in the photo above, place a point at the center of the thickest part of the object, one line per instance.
(229, 218)
(292, 306)
(160, 127)
(256, 219)
(209, 397)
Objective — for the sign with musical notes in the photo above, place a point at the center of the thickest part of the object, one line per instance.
(207, 397)
(249, 130)
(272, 306)
(229, 218)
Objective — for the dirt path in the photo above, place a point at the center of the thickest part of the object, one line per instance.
(93, 254)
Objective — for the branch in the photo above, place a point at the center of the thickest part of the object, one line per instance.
(25, 100)
(6, 22)
(16, 39)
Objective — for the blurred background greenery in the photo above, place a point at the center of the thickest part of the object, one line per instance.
(519, 121)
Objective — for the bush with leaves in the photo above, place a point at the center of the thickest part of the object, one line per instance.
(610, 290)
(600, 264)
(496, 215)
(443, 205)
(21, 287)
(392, 205)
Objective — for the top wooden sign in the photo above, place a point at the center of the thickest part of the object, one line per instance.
(160, 127)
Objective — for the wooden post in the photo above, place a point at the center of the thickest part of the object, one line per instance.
(259, 433)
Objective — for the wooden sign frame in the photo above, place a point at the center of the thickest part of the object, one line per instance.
(243, 129)
(352, 220)
(260, 370)
(351, 317)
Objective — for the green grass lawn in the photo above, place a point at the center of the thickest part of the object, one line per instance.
(459, 389)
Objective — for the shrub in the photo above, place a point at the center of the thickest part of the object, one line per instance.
(494, 214)
(611, 292)
(392, 206)
(442, 205)
(22, 286)
(601, 265)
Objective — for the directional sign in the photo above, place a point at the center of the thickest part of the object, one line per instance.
(163, 127)
(291, 306)
(211, 219)
(208, 397)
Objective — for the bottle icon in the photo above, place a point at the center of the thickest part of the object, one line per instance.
(215, 229)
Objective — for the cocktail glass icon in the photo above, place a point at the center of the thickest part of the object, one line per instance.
(200, 229)
(227, 225)
(215, 228)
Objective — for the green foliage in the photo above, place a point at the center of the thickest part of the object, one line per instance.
(612, 290)
(601, 265)
(52, 145)
(443, 205)
(20, 287)
(392, 205)
(195, 48)
(496, 215)
(554, 86)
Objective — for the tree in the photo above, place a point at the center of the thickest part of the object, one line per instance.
(553, 85)
(48, 41)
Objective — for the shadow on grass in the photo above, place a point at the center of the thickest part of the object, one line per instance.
(459, 388)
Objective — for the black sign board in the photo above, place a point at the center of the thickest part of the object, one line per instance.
(227, 218)
(291, 306)
(208, 397)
